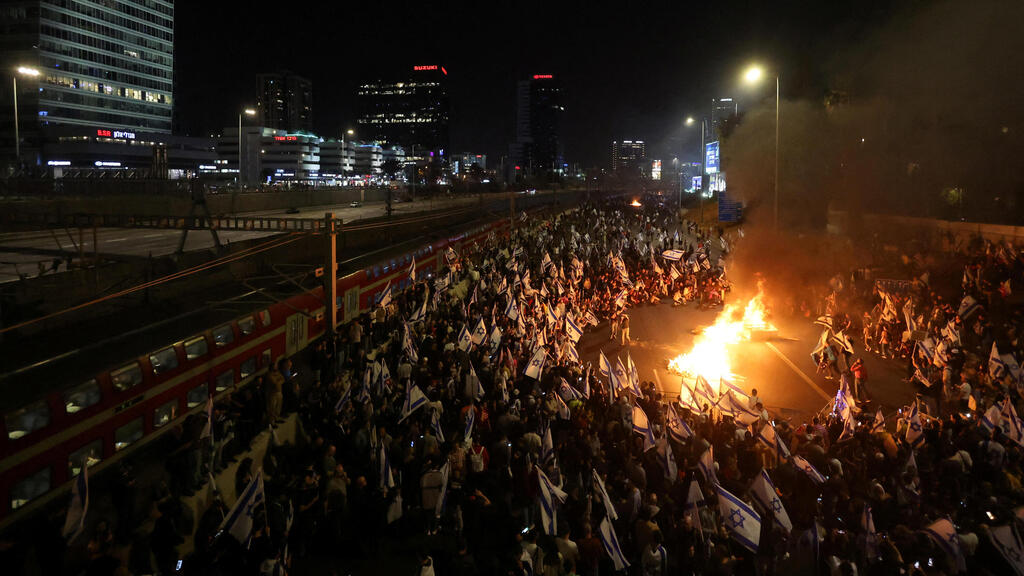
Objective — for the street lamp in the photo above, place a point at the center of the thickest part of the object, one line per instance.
(689, 122)
(24, 71)
(344, 151)
(247, 112)
(753, 76)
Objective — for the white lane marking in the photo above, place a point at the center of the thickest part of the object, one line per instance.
(798, 371)
(155, 235)
(115, 240)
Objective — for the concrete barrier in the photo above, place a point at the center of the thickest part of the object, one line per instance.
(950, 234)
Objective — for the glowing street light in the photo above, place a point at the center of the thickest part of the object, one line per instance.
(753, 76)
(689, 120)
(24, 71)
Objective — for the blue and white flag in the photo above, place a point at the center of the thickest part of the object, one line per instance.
(547, 446)
(442, 498)
(548, 495)
(563, 408)
(412, 270)
(1005, 539)
(385, 296)
(678, 430)
(620, 300)
(414, 399)
(694, 500)
(763, 491)
(495, 337)
(591, 318)
(408, 347)
(870, 538)
(611, 545)
(572, 329)
(385, 478)
(915, 432)
(879, 424)
(620, 380)
(465, 339)
(770, 438)
(604, 367)
(467, 435)
(536, 366)
(567, 392)
(545, 262)
(667, 460)
(421, 313)
(474, 382)
(1011, 425)
(991, 418)
(239, 521)
(643, 427)
(609, 508)
(802, 464)
(435, 425)
(968, 306)
(706, 465)
(672, 255)
(344, 399)
(571, 353)
(743, 523)
(944, 534)
(634, 376)
(74, 522)
(512, 311)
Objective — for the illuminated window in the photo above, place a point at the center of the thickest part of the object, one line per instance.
(197, 395)
(195, 348)
(126, 377)
(247, 325)
(164, 360)
(165, 413)
(27, 420)
(223, 335)
(225, 380)
(90, 454)
(265, 317)
(81, 397)
(128, 434)
(31, 487)
(266, 358)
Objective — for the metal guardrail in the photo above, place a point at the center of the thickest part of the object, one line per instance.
(241, 223)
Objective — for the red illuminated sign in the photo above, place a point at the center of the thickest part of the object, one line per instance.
(431, 67)
(542, 76)
(285, 138)
(443, 71)
(106, 133)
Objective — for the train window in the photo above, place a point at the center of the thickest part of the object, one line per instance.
(195, 348)
(126, 377)
(81, 397)
(248, 368)
(266, 357)
(223, 335)
(224, 380)
(197, 395)
(90, 454)
(164, 360)
(164, 414)
(337, 303)
(247, 325)
(35, 485)
(27, 420)
(265, 317)
(128, 434)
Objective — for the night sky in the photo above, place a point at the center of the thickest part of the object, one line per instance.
(629, 73)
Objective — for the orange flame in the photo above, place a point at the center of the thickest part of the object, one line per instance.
(710, 356)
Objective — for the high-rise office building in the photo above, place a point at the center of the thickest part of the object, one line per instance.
(721, 110)
(538, 148)
(409, 109)
(96, 65)
(284, 101)
(628, 155)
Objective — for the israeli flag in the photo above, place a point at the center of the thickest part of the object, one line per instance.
(571, 353)
(385, 296)
(620, 381)
(74, 522)
(672, 255)
(495, 337)
(567, 392)
(572, 330)
(512, 311)
(536, 366)
(879, 424)
(479, 333)
(408, 347)
(944, 534)
(634, 376)
(915, 432)
(465, 339)
(412, 270)
(968, 306)
(1006, 541)
(620, 300)
(549, 494)
(474, 380)
(385, 477)
(642, 426)
(592, 319)
(344, 399)
(667, 460)
(991, 418)
(603, 365)
(435, 425)
(770, 438)
(706, 465)
(611, 545)
(609, 508)
(673, 272)
(802, 464)
(467, 435)
(239, 520)
(421, 312)
(678, 430)
(763, 491)
(743, 523)
(414, 399)
(547, 446)
(1011, 425)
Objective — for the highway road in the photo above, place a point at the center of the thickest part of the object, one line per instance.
(23, 253)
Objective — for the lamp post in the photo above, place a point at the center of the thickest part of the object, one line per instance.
(24, 71)
(700, 193)
(753, 76)
(246, 112)
(344, 151)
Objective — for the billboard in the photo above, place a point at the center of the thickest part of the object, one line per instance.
(695, 183)
(711, 157)
(656, 170)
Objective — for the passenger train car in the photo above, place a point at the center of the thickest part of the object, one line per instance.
(105, 416)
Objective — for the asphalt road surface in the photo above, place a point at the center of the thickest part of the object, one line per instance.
(779, 366)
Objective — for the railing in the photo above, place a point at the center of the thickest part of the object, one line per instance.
(243, 223)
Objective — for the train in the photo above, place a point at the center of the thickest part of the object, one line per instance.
(132, 400)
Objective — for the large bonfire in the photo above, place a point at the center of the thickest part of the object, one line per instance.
(710, 356)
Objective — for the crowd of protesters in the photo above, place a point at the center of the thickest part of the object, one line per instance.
(461, 478)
